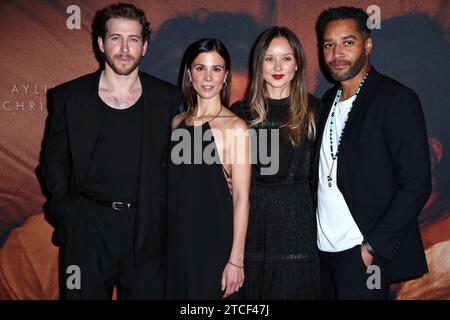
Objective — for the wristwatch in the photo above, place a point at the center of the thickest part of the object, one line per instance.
(368, 248)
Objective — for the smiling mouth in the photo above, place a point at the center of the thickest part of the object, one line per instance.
(278, 76)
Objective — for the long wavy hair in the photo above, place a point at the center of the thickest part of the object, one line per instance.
(196, 48)
(299, 121)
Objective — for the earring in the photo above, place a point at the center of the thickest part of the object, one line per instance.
(190, 82)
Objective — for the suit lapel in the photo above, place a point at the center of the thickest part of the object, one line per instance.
(150, 129)
(82, 123)
(359, 105)
(145, 130)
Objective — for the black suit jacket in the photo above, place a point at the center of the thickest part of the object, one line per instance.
(70, 143)
(384, 170)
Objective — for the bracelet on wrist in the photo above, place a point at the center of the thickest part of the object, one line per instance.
(235, 265)
(369, 248)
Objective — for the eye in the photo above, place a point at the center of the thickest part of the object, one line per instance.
(218, 69)
(287, 59)
(134, 40)
(115, 38)
(199, 68)
(349, 43)
(268, 59)
(328, 45)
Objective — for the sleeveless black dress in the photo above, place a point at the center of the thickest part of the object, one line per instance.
(200, 218)
(281, 257)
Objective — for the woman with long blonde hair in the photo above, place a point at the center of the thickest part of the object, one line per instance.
(281, 256)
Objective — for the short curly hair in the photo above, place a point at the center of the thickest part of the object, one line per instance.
(342, 13)
(122, 11)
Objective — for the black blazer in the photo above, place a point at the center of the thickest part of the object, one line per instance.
(70, 143)
(384, 170)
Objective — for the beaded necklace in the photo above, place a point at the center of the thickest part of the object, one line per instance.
(332, 122)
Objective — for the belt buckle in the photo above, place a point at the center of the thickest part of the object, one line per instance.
(117, 205)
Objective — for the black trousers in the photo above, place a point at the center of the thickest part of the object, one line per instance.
(344, 276)
(99, 250)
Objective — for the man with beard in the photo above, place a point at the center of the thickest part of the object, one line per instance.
(371, 169)
(104, 165)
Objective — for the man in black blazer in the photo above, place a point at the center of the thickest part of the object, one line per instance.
(104, 165)
(371, 169)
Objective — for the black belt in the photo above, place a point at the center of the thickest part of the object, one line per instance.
(115, 205)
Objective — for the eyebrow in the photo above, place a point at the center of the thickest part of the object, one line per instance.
(204, 65)
(118, 34)
(350, 36)
(284, 54)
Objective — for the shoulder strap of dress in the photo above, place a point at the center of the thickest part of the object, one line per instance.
(225, 171)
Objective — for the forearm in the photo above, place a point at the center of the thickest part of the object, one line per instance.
(56, 176)
(241, 177)
(388, 234)
(405, 136)
(241, 207)
(56, 162)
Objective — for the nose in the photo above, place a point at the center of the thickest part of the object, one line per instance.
(337, 51)
(278, 66)
(207, 76)
(124, 46)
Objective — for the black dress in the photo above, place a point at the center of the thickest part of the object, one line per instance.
(200, 221)
(281, 260)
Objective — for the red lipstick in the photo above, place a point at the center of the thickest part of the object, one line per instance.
(278, 76)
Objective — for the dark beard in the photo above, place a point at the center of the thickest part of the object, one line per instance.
(123, 72)
(354, 70)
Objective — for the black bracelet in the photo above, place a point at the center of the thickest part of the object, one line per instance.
(235, 265)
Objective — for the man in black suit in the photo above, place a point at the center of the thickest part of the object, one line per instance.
(371, 169)
(104, 165)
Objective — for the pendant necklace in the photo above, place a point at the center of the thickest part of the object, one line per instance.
(334, 156)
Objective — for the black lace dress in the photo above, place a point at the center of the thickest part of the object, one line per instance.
(281, 260)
